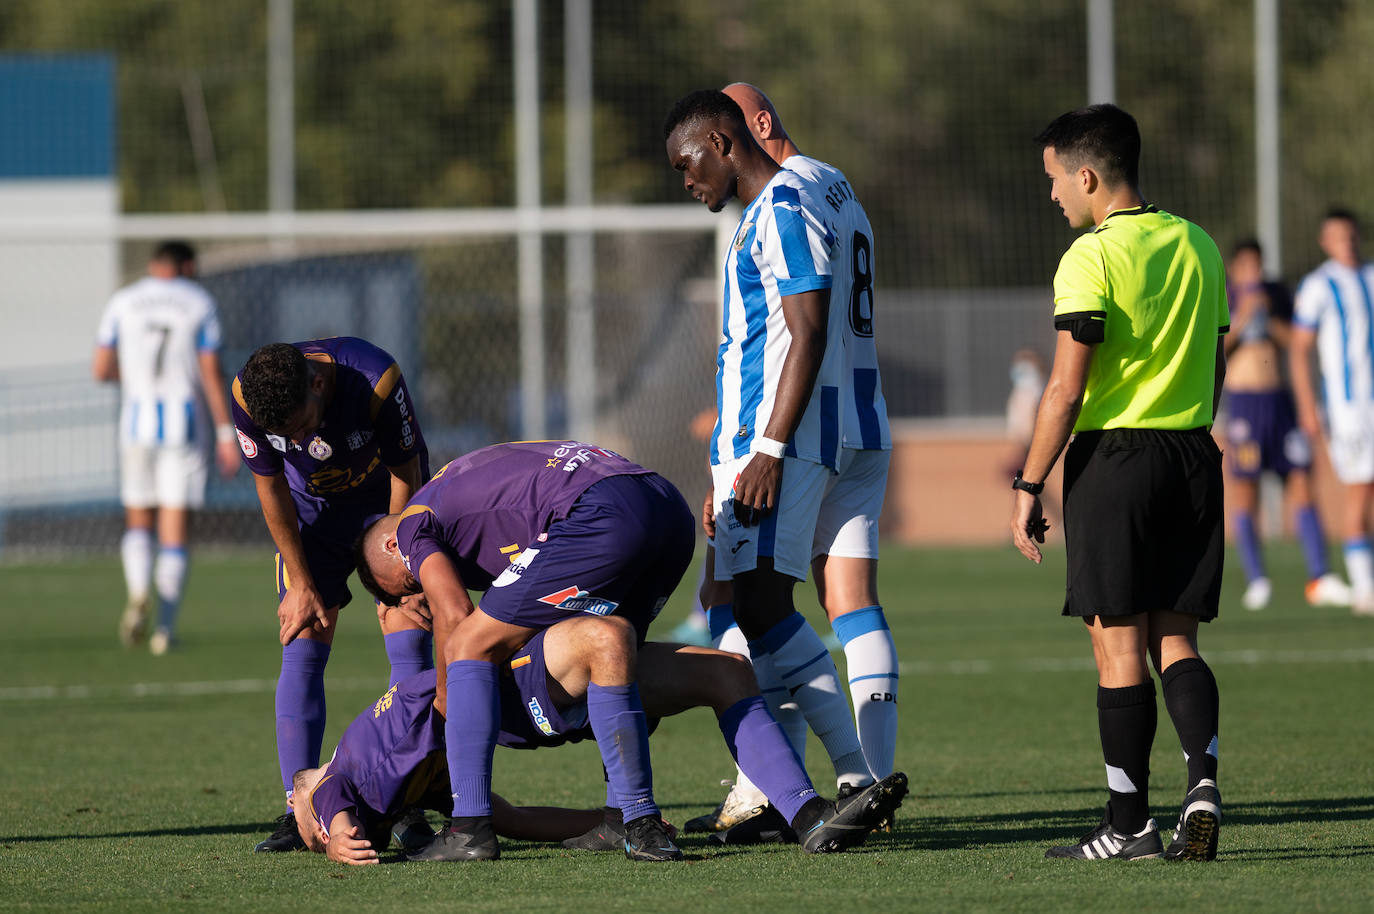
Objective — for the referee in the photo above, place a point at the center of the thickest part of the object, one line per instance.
(1140, 310)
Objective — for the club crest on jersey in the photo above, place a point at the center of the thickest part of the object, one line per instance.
(319, 448)
(542, 722)
(742, 234)
(575, 599)
(278, 443)
(249, 446)
(516, 569)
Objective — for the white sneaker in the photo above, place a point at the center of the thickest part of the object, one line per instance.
(739, 805)
(1257, 594)
(133, 623)
(1363, 605)
(1328, 590)
(160, 642)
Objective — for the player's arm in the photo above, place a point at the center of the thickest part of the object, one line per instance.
(807, 315)
(1059, 406)
(405, 480)
(347, 841)
(1300, 347)
(212, 381)
(302, 606)
(105, 364)
(541, 823)
(449, 604)
(1220, 376)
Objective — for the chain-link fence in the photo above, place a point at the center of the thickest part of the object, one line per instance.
(409, 107)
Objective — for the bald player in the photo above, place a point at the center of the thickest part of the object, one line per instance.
(844, 551)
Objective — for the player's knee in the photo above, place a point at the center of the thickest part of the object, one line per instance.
(732, 680)
(609, 644)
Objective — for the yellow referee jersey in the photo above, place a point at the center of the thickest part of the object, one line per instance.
(1150, 289)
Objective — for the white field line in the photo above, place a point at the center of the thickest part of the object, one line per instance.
(917, 668)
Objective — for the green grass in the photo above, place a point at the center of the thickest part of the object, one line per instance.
(116, 799)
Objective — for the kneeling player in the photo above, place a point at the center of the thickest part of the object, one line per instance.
(392, 756)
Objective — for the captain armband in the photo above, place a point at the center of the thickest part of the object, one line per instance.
(1088, 328)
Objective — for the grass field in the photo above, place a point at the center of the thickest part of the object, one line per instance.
(141, 783)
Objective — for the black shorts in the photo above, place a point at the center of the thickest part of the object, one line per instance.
(1143, 523)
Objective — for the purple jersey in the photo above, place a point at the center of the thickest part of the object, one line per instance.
(369, 425)
(484, 508)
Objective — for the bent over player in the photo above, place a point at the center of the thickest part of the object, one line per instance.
(548, 530)
(330, 433)
(391, 756)
(1140, 310)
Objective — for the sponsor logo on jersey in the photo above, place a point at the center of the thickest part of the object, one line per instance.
(542, 722)
(319, 448)
(358, 438)
(516, 569)
(575, 599)
(278, 442)
(249, 446)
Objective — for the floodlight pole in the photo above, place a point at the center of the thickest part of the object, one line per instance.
(281, 107)
(529, 246)
(1101, 53)
(580, 250)
(1268, 187)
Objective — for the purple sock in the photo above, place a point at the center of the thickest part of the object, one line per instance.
(622, 735)
(300, 707)
(1313, 542)
(1247, 541)
(762, 751)
(474, 715)
(410, 652)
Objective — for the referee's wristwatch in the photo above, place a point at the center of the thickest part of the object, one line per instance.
(1034, 488)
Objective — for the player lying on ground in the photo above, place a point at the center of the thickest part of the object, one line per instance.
(391, 757)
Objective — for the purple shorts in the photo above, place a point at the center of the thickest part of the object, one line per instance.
(621, 551)
(328, 546)
(1262, 434)
(529, 719)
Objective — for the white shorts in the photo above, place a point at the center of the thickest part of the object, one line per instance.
(167, 477)
(1352, 442)
(848, 523)
(785, 534)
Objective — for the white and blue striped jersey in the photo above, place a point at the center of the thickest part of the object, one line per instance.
(1335, 301)
(865, 409)
(158, 328)
(783, 246)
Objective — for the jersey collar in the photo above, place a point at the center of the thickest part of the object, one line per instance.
(1140, 210)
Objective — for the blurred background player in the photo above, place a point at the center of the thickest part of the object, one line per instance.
(1262, 429)
(1335, 314)
(329, 430)
(844, 553)
(160, 339)
(780, 379)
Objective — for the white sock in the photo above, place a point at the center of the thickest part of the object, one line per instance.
(1359, 566)
(871, 657)
(136, 553)
(784, 709)
(803, 665)
(170, 576)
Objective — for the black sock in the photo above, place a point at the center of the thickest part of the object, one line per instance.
(1126, 722)
(1190, 696)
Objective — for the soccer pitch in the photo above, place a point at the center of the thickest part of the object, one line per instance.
(141, 783)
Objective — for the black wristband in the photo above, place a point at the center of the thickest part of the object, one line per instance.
(1034, 488)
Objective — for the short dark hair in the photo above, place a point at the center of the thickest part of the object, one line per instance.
(1340, 212)
(1247, 244)
(274, 382)
(175, 252)
(365, 575)
(1102, 136)
(705, 105)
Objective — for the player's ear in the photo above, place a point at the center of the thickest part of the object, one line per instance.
(720, 142)
(763, 122)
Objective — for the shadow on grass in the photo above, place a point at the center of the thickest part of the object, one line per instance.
(1047, 826)
(244, 828)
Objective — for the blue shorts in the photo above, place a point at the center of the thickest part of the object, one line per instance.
(621, 551)
(328, 547)
(1262, 434)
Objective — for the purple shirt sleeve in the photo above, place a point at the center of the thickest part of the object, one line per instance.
(334, 794)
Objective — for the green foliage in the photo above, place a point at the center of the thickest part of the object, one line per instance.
(121, 799)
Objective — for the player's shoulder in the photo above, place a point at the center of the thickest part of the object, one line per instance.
(350, 351)
(813, 169)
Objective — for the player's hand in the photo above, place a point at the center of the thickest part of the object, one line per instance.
(229, 458)
(1311, 425)
(413, 606)
(756, 489)
(350, 847)
(1028, 525)
(708, 515)
(300, 609)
